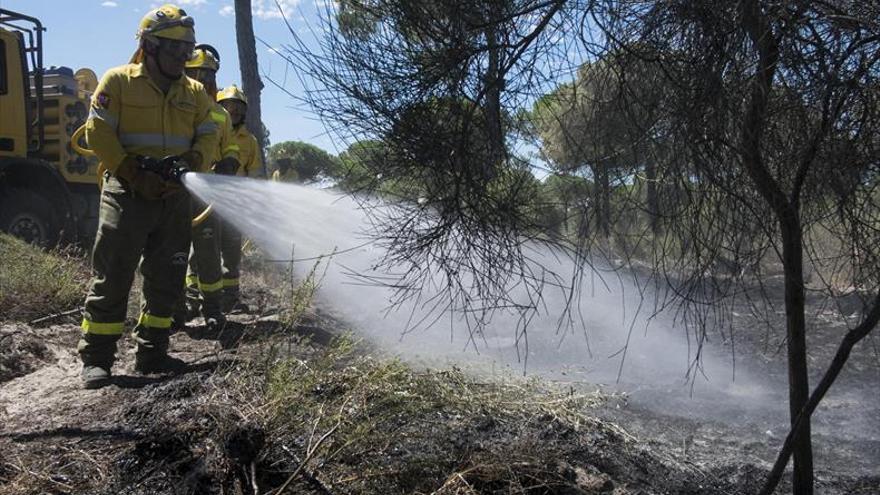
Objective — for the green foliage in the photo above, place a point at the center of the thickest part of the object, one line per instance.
(298, 298)
(307, 160)
(35, 283)
(358, 164)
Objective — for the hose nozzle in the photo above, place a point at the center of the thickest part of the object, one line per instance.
(170, 168)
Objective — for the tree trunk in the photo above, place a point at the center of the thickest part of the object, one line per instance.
(250, 74)
(795, 323)
(651, 199)
(787, 212)
(494, 85)
(605, 198)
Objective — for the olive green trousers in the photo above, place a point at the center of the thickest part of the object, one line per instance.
(230, 248)
(204, 286)
(132, 232)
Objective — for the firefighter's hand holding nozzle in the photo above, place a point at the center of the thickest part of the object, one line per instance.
(226, 166)
(171, 168)
(138, 172)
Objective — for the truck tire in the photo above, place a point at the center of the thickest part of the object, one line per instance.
(29, 216)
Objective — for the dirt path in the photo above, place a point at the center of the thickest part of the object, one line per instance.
(58, 438)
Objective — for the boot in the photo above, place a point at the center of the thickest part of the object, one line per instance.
(180, 315)
(215, 321)
(151, 352)
(211, 310)
(94, 376)
(146, 364)
(232, 301)
(193, 308)
(178, 322)
(97, 353)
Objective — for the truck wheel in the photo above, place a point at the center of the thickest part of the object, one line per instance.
(27, 215)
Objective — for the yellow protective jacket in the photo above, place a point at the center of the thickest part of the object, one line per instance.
(289, 176)
(249, 153)
(129, 114)
(226, 145)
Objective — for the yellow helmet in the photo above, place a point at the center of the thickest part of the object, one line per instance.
(168, 21)
(204, 56)
(231, 93)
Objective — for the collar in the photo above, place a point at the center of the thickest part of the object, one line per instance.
(140, 70)
(137, 70)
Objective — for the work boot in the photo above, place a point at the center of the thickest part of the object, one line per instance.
(179, 315)
(215, 322)
(193, 309)
(157, 363)
(211, 310)
(179, 318)
(239, 306)
(232, 301)
(94, 376)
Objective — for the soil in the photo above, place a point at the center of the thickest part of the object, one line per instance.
(186, 433)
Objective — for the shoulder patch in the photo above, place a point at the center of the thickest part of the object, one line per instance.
(103, 100)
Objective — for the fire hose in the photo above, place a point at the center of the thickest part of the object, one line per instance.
(168, 168)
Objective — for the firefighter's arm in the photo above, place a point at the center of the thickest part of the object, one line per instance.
(103, 122)
(255, 161)
(206, 138)
(228, 146)
(229, 150)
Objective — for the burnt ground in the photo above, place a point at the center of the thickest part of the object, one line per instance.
(207, 430)
(744, 426)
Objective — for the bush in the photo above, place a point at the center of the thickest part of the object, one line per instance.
(34, 282)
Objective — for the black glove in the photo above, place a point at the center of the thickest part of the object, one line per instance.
(145, 183)
(170, 168)
(226, 166)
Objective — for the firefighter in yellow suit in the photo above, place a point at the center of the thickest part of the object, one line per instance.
(235, 102)
(204, 285)
(140, 112)
(284, 171)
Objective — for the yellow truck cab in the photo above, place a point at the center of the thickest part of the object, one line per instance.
(48, 193)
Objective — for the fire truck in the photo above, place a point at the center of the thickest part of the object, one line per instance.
(48, 192)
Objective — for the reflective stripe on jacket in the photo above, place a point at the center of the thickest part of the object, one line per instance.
(249, 153)
(130, 115)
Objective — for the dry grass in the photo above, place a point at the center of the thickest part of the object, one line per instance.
(369, 424)
(338, 417)
(37, 283)
(278, 413)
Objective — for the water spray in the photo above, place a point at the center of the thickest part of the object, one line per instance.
(284, 218)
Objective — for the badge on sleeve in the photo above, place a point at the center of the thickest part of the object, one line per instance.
(103, 100)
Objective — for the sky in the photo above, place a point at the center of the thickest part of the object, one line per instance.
(100, 34)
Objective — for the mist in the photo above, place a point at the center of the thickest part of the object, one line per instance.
(617, 346)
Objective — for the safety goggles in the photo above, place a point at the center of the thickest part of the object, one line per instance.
(178, 47)
(185, 21)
